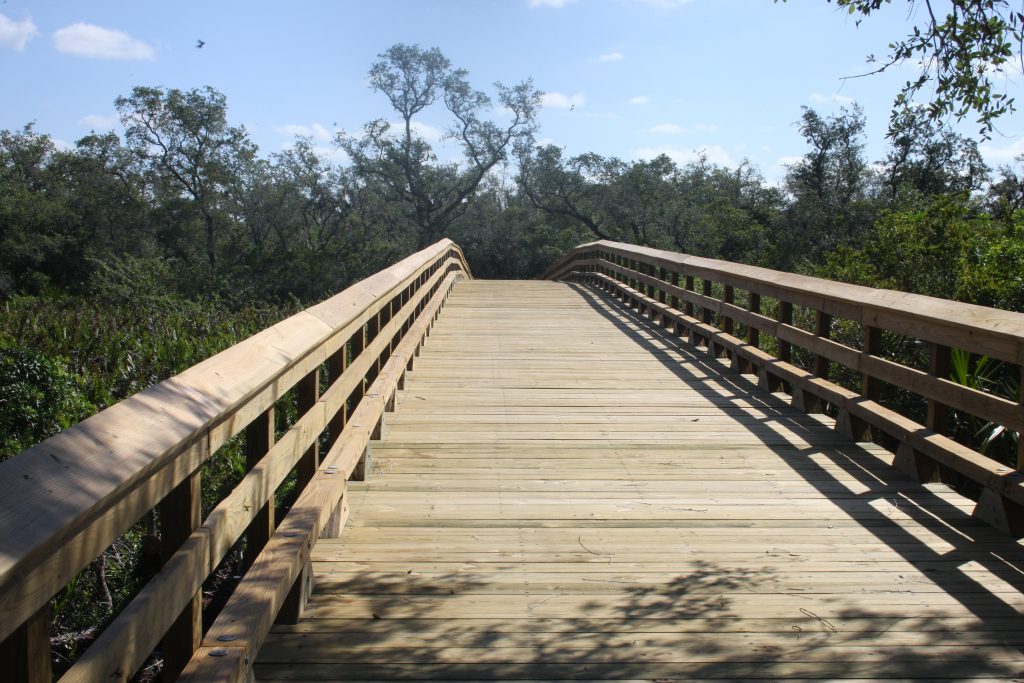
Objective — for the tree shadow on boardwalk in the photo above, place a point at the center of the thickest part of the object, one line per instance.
(694, 618)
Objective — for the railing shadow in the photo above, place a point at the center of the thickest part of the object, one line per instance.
(469, 619)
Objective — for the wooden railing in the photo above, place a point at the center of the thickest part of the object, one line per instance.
(67, 499)
(709, 301)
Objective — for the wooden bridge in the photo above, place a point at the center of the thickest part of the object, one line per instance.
(648, 467)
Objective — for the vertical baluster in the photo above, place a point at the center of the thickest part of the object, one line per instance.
(180, 514)
(939, 358)
(259, 437)
(358, 345)
(753, 334)
(1020, 437)
(690, 287)
(769, 381)
(785, 317)
(25, 654)
(823, 330)
(728, 297)
(707, 315)
(307, 391)
(847, 423)
(803, 399)
(677, 329)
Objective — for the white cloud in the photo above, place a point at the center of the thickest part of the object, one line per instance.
(16, 34)
(715, 154)
(98, 122)
(640, 99)
(557, 4)
(1002, 155)
(557, 100)
(425, 131)
(611, 57)
(664, 4)
(89, 40)
(332, 153)
(315, 131)
(783, 163)
(668, 129)
(675, 129)
(841, 100)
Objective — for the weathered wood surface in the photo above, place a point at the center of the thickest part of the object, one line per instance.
(565, 492)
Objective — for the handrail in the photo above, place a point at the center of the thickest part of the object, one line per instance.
(68, 498)
(663, 284)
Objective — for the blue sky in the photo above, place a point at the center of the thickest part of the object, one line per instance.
(646, 76)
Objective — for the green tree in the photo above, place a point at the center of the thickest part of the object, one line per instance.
(190, 151)
(402, 165)
(963, 49)
(928, 158)
(829, 188)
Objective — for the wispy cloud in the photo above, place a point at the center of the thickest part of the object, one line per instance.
(664, 4)
(315, 131)
(999, 155)
(16, 34)
(640, 99)
(89, 40)
(557, 100)
(98, 122)
(611, 57)
(668, 129)
(557, 4)
(716, 154)
(841, 100)
(675, 129)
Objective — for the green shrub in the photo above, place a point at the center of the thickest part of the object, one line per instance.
(38, 398)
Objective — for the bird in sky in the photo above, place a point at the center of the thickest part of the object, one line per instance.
(200, 43)
(572, 107)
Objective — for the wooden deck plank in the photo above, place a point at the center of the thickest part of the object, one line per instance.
(568, 493)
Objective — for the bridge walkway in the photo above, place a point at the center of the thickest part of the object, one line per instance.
(567, 492)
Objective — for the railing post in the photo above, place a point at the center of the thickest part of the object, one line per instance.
(707, 315)
(939, 358)
(25, 654)
(677, 328)
(180, 514)
(336, 364)
(803, 399)
(1020, 437)
(728, 297)
(690, 311)
(743, 365)
(259, 437)
(358, 344)
(768, 381)
(307, 391)
(871, 389)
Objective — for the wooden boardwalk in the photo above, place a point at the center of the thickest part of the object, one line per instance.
(568, 493)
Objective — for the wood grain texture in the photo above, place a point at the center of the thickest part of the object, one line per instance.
(68, 498)
(568, 493)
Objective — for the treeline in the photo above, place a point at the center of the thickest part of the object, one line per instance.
(184, 205)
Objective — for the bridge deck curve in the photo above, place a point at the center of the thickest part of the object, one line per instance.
(566, 492)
